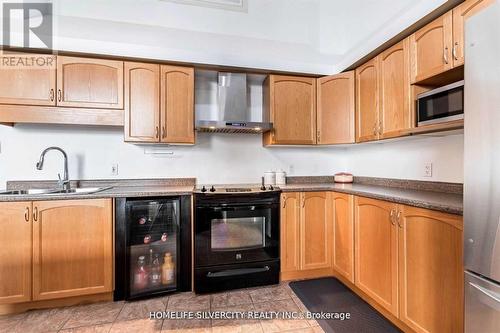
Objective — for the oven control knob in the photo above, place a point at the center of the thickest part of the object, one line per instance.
(203, 189)
(270, 188)
(212, 189)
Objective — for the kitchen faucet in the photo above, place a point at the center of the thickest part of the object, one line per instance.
(63, 183)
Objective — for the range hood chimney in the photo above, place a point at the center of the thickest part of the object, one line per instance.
(234, 114)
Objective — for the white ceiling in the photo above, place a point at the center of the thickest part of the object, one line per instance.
(313, 36)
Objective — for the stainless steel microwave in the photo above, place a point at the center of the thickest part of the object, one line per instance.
(441, 105)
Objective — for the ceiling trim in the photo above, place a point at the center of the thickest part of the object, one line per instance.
(232, 5)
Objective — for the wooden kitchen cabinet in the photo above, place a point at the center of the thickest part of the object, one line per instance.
(460, 13)
(142, 102)
(336, 109)
(306, 235)
(376, 251)
(430, 270)
(394, 88)
(290, 232)
(343, 234)
(292, 108)
(15, 252)
(367, 101)
(31, 80)
(89, 83)
(431, 48)
(316, 230)
(72, 248)
(177, 104)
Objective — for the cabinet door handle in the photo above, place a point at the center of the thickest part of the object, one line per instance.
(27, 214)
(51, 94)
(35, 214)
(303, 201)
(156, 132)
(454, 51)
(163, 132)
(445, 55)
(284, 202)
(393, 212)
(318, 136)
(59, 95)
(399, 219)
(380, 127)
(375, 129)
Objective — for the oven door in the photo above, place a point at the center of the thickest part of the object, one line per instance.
(236, 233)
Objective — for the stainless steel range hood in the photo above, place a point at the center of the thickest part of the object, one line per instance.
(233, 110)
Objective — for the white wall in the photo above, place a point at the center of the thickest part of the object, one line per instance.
(405, 158)
(217, 158)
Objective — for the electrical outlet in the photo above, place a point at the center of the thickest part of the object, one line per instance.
(428, 169)
(114, 169)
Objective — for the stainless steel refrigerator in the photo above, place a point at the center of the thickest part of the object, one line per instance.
(482, 171)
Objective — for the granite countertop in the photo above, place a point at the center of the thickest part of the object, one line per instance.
(440, 201)
(444, 197)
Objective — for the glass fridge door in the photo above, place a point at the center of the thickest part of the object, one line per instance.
(152, 246)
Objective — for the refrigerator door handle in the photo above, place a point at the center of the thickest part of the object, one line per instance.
(487, 297)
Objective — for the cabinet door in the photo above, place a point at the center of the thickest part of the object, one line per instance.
(367, 101)
(72, 248)
(90, 83)
(394, 115)
(336, 109)
(177, 104)
(460, 13)
(15, 252)
(142, 102)
(430, 49)
(316, 230)
(290, 232)
(293, 109)
(431, 272)
(376, 251)
(343, 234)
(27, 78)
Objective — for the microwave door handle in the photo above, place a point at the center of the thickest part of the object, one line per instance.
(234, 208)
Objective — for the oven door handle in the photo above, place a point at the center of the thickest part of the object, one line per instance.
(234, 208)
(237, 271)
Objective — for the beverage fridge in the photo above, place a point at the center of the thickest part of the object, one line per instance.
(152, 246)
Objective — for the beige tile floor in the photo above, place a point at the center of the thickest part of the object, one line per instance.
(125, 317)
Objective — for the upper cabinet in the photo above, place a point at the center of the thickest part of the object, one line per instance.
(367, 101)
(25, 84)
(394, 85)
(177, 104)
(431, 48)
(335, 109)
(292, 108)
(142, 102)
(90, 83)
(460, 14)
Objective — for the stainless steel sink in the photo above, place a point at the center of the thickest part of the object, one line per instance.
(29, 191)
(55, 191)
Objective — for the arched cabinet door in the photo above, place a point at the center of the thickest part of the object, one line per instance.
(142, 102)
(367, 101)
(292, 107)
(290, 232)
(376, 251)
(72, 248)
(316, 230)
(89, 83)
(430, 270)
(431, 49)
(343, 234)
(177, 104)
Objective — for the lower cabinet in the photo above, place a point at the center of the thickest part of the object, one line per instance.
(376, 251)
(343, 234)
(55, 249)
(306, 234)
(430, 270)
